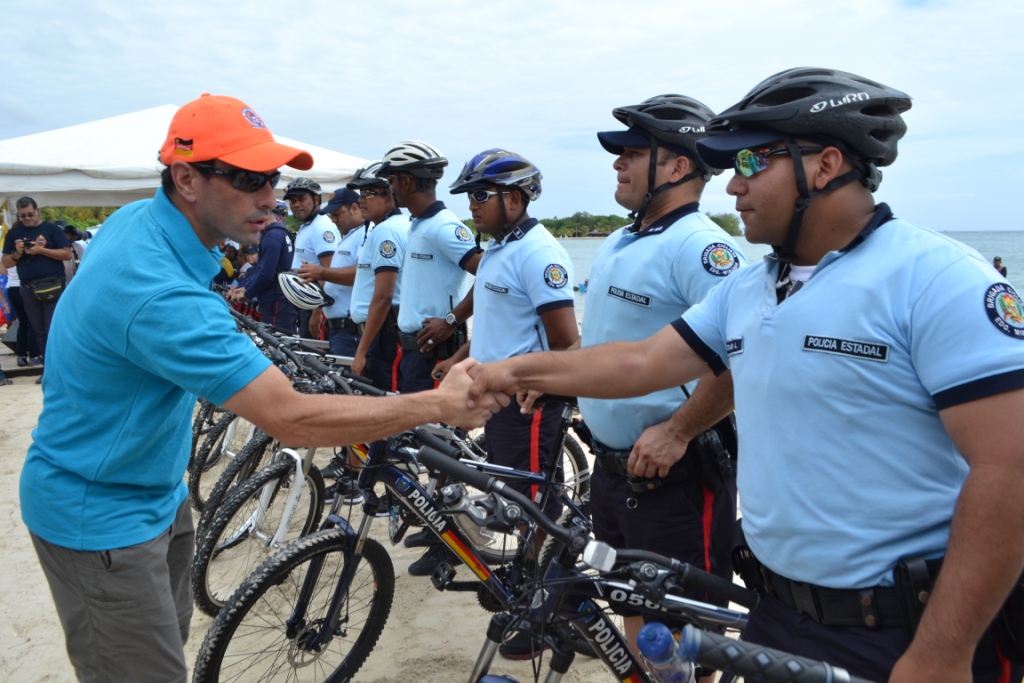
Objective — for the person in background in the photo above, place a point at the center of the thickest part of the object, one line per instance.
(38, 248)
(315, 242)
(251, 255)
(997, 263)
(26, 348)
(275, 256)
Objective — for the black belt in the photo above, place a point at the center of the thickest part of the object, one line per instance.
(345, 323)
(408, 341)
(874, 607)
(610, 460)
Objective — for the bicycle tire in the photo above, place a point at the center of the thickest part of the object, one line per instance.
(253, 457)
(230, 549)
(248, 641)
(202, 420)
(223, 444)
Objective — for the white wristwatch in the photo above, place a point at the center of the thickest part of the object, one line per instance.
(450, 319)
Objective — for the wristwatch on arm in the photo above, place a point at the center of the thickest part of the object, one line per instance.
(450, 319)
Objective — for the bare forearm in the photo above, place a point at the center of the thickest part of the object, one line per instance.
(711, 401)
(339, 276)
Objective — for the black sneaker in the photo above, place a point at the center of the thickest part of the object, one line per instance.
(4, 381)
(351, 495)
(435, 555)
(420, 539)
(22, 361)
(522, 646)
(335, 469)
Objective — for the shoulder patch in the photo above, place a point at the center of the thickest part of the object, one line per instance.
(388, 249)
(719, 259)
(555, 276)
(1005, 310)
(463, 234)
(328, 236)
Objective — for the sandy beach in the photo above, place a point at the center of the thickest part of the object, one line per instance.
(430, 636)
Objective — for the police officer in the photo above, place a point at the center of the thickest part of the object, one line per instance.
(275, 255)
(871, 394)
(376, 291)
(441, 250)
(315, 241)
(643, 276)
(346, 214)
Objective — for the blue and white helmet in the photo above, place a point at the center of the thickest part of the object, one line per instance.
(499, 167)
(305, 295)
(414, 157)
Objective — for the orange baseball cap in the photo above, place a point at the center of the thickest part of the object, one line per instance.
(221, 127)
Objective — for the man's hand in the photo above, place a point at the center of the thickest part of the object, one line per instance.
(492, 378)
(310, 272)
(442, 369)
(358, 362)
(911, 669)
(235, 294)
(434, 330)
(316, 319)
(658, 448)
(32, 248)
(459, 410)
(526, 399)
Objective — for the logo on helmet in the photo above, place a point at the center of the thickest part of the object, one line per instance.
(692, 129)
(253, 118)
(555, 276)
(1005, 310)
(845, 99)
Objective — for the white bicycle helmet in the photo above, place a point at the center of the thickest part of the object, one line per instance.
(305, 295)
(415, 158)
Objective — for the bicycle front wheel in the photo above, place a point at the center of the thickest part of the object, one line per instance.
(241, 534)
(264, 634)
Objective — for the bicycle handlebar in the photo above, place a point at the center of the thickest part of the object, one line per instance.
(691, 577)
(756, 661)
(445, 460)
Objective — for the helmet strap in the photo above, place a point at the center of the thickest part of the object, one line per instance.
(652, 169)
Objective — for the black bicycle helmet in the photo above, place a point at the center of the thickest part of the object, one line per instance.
(367, 177)
(675, 122)
(859, 116)
(863, 115)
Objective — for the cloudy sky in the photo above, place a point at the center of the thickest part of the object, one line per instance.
(539, 78)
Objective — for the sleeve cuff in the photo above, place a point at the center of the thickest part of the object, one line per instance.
(713, 360)
(554, 305)
(979, 388)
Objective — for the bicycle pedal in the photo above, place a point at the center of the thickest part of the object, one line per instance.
(443, 576)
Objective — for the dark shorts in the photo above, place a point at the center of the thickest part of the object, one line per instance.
(683, 520)
(862, 651)
(524, 442)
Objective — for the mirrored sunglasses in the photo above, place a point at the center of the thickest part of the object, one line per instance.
(749, 162)
(481, 196)
(369, 194)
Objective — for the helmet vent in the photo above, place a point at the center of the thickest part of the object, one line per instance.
(784, 96)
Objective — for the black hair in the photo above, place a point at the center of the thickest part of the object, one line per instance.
(25, 202)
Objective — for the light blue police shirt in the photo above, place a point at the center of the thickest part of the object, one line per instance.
(383, 251)
(433, 281)
(517, 279)
(314, 239)
(129, 349)
(346, 255)
(639, 283)
(844, 464)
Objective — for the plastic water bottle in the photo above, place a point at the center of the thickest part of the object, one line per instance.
(659, 649)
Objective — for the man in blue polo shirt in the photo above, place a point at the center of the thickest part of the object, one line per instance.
(441, 251)
(275, 256)
(103, 497)
(881, 484)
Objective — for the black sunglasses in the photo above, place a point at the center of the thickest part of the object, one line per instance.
(246, 181)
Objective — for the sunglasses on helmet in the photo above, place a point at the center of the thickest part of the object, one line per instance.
(246, 181)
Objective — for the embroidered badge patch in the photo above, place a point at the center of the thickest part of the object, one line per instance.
(495, 288)
(631, 297)
(847, 347)
(734, 346)
(253, 118)
(388, 249)
(719, 259)
(328, 236)
(1005, 309)
(463, 234)
(555, 276)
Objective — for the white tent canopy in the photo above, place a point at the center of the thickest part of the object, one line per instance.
(114, 161)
